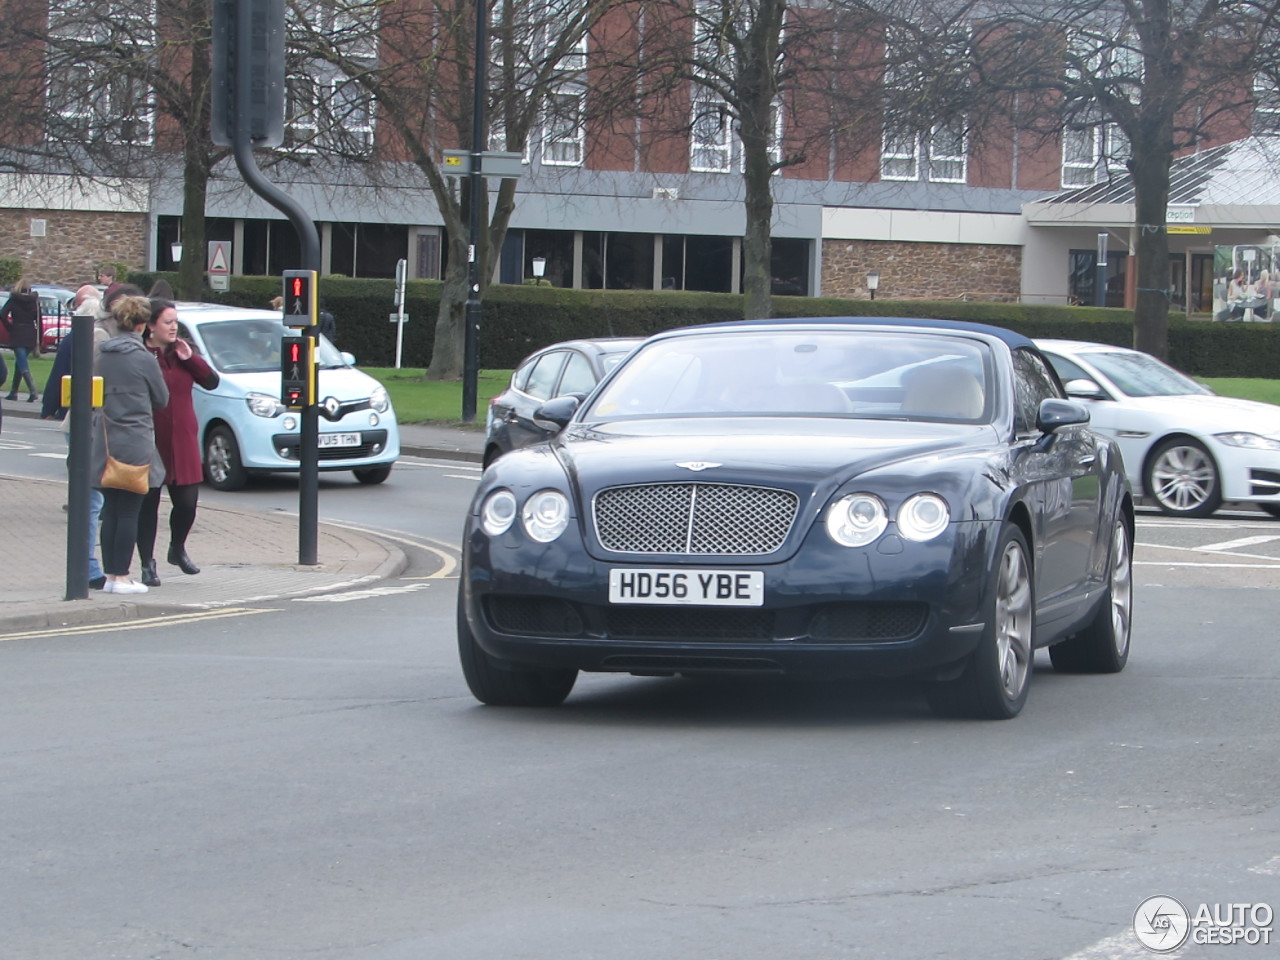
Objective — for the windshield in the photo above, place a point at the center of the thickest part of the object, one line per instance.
(1140, 375)
(865, 374)
(253, 346)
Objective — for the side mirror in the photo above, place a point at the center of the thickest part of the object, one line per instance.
(559, 410)
(1055, 414)
(1085, 390)
(348, 358)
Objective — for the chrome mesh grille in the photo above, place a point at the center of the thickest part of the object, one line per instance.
(701, 519)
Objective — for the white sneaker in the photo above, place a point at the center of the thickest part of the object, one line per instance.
(124, 586)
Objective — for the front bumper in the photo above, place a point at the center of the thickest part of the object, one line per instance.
(891, 609)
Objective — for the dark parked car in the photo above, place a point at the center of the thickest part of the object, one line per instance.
(826, 497)
(572, 367)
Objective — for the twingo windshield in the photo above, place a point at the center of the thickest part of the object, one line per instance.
(252, 345)
(803, 373)
(1141, 375)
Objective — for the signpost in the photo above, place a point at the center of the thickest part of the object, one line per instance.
(219, 266)
(402, 272)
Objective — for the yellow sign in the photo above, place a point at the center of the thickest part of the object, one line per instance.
(1183, 229)
(66, 392)
(453, 161)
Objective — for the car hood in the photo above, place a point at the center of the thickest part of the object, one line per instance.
(791, 453)
(345, 383)
(1211, 414)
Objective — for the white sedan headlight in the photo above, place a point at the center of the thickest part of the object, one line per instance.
(1251, 441)
(856, 520)
(498, 512)
(379, 400)
(923, 517)
(545, 515)
(264, 405)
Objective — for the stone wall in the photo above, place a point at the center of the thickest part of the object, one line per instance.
(922, 271)
(74, 243)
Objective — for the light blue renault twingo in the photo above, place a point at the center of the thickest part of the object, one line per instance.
(243, 426)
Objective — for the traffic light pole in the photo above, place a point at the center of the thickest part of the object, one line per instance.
(308, 240)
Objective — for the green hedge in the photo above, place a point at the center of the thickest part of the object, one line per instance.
(10, 271)
(518, 319)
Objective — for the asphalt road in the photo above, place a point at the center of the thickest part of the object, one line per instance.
(313, 781)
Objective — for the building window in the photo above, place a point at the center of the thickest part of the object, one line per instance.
(909, 149)
(1266, 105)
(99, 63)
(1092, 154)
(564, 137)
(939, 155)
(325, 108)
(711, 140)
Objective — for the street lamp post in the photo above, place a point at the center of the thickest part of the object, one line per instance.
(175, 251)
(873, 282)
(1100, 277)
(539, 269)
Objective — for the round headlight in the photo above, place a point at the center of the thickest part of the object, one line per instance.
(923, 517)
(379, 399)
(856, 520)
(546, 514)
(498, 512)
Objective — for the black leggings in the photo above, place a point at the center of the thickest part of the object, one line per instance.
(183, 497)
(119, 529)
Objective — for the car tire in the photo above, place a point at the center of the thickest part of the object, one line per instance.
(997, 677)
(501, 684)
(223, 469)
(376, 474)
(1103, 645)
(1183, 479)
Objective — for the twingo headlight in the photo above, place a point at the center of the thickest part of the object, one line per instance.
(379, 400)
(856, 520)
(264, 405)
(545, 515)
(1251, 441)
(498, 512)
(923, 517)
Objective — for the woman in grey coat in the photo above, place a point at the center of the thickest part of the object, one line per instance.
(132, 387)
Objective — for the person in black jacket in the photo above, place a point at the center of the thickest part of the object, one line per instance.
(21, 317)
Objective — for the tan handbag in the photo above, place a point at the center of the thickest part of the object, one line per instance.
(124, 476)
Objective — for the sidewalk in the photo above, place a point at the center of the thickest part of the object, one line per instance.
(243, 557)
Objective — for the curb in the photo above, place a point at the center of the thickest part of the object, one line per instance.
(409, 449)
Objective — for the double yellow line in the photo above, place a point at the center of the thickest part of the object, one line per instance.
(142, 623)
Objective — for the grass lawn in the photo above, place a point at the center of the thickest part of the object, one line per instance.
(417, 400)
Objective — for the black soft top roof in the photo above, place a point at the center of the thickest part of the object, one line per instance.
(1009, 337)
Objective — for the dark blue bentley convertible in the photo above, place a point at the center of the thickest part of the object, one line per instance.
(826, 497)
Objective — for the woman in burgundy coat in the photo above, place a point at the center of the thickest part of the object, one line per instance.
(176, 440)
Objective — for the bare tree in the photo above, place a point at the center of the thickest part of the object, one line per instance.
(119, 89)
(1133, 84)
(752, 85)
(546, 76)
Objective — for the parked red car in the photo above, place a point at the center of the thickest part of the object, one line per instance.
(56, 307)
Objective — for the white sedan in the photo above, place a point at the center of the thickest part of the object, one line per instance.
(1184, 447)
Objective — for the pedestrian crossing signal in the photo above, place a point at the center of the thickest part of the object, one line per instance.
(297, 372)
(301, 298)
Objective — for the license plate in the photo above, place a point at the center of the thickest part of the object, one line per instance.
(339, 439)
(703, 588)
